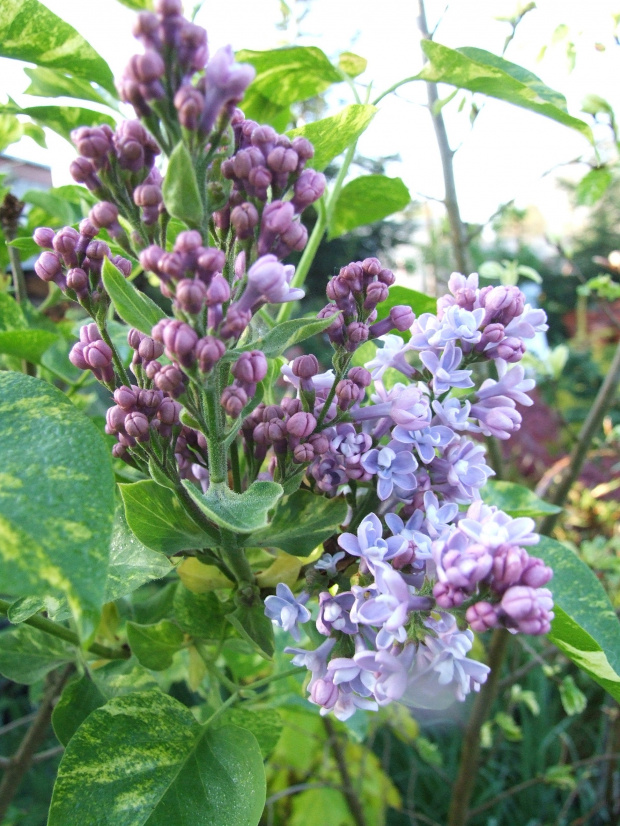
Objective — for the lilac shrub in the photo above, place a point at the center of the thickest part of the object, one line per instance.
(421, 562)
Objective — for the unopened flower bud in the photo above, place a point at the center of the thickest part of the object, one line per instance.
(48, 266)
(402, 317)
(234, 399)
(250, 367)
(77, 280)
(303, 453)
(126, 397)
(44, 237)
(97, 354)
(169, 379)
(209, 351)
(301, 425)
(191, 295)
(305, 367)
(168, 412)
(137, 426)
(244, 219)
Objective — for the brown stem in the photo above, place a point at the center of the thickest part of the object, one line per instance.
(353, 801)
(458, 230)
(22, 759)
(470, 750)
(603, 401)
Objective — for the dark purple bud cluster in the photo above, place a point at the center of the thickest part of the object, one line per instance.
(248, 370)
(73, 260)
(188, 272)
(286, 428)
(190, 452)
(174, 51)
(137, 413)
(354, 295)
(267, 163)
(92, 353)
(104, 153)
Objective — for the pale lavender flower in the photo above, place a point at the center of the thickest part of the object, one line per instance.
(426, 440)
(285, 611)
(512, 383)
(461, 324)
(334, 612)
(497, 417)
(392, 354)
(393, 469)
(444, 369)
(315, 660)
(461, 471)
(369, 543)
(328, 563)
(491, 527)
(454, 414)
(526, 325)
(441, 672)
(391, 671)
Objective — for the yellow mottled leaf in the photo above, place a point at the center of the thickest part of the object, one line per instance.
(285, 568)
(201, 578)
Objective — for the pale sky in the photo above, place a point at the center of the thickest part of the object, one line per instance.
(502, 157)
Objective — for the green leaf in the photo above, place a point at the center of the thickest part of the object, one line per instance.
(27, 655)
(131, 563)
(55, 540)
(286, 76)
(365, 200)
(26, 344)
(585, 627)
(200, 615)
(36, 133)
(11, 314)
(154, 645)
(143, 759)
(60, 119)
(593, 186)
(180, 188)
(26, 246)
(352, 64)
(54, 204)
(331, 136)
(134, 307)
(300, 523)
(30, 32)
(50, 83)
(252, 624)
(574, 701)
(240, 512)
(10, 131)
(516, 500)
(159, 521)
(24, 608)
(78, 699)
(265, 724)
(285, 335)
(480, 71)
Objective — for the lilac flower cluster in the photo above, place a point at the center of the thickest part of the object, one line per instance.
(412, 443)
(73, 260)
(267, 165)
(161, 79)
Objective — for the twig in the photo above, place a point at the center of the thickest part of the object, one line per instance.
(57, 630)
(603, 401)
(533, 781)
(27, 718)
(458, 230)
(23, 757)
(470, 749)
(353, 801)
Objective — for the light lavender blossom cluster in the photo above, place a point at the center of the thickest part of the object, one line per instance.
(392, 634)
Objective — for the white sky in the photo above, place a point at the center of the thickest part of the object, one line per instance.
(505, 154)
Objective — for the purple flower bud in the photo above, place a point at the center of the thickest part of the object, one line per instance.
(375, 294)
(529, 609)
(126, 397)
(347, 393)
(236, 321)
(308, 188)
(282, 160)
(244, 218)
(83, 172)
(97, 251)
(137, 426)
(180, 340)
(191, 295)
(152, 369)
(481, 616)
(536, 573)
(319, 442)
(234, 399)
(93, 143)
(44, 237)
(77, 280)
(225, 83)
(149, 349)
(169, 379)
(353, 275)
(115, 420)
(148, 67)
(402, 317)
(277, 217)
(250, 367)
(89, 332)
(305, 366)
(301, 425)
(356, 335)
(147, 195)
(275, 430)
(360, 376)
(97, 355)
(168, 412)
(76, 356)
(48, 266)
(303, 147)
(303, 453)
(104, 214)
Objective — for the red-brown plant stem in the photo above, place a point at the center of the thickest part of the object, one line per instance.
(353, 801)
(36, 734)
(470, 749)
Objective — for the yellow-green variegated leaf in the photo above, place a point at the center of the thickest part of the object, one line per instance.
(143, 760)
(56, 499)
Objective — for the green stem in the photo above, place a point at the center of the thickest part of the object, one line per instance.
(394, 87)
(216, 446)
(281, 675)
(325, 208)
(57, 630)
(120, 367)
(234, 698)
(234, 464)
